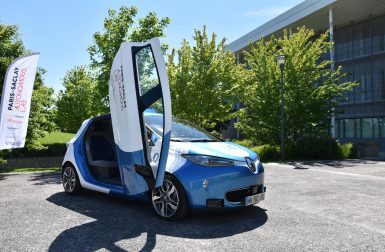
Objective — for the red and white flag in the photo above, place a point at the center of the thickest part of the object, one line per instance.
(16, 101)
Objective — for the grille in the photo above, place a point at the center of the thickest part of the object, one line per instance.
(239, 194)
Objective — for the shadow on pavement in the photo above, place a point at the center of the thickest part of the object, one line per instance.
(2, 177)
(46, 178)
(303, 165)
(120, 219)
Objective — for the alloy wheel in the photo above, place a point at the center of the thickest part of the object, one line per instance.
(69, 179)
(165, 199)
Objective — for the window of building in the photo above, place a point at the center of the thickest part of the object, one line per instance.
(378, 35)
(343, 45)
(378, 79)
(361, 40)
(358, 127)
(376, 127)
(349, 127)
(367, 127)
(363, 74)
(363, 87)
(361, 127)
(341, 128)
(382, 126)
(348, 69)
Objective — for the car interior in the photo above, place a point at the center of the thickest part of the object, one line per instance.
(100, 152)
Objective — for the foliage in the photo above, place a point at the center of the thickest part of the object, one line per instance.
(56, 137)
(42, 114)
(307, 147)
(120, 27)
(78, 101)
(311, 88)
(347, 150)
(267, 152)
(203, 81)
(315, 146)
(244, 142)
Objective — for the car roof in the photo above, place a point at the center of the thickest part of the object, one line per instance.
(107, 116)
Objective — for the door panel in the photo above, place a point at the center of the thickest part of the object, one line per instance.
(138, 81)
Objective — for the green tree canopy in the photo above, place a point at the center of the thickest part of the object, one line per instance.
(78, 101)
(312, 88)
(41, 115)
(203, 79)
(120, 26)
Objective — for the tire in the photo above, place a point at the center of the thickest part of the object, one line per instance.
(172, 195)
(71, 182)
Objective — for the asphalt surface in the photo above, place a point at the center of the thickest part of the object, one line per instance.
(333, 206)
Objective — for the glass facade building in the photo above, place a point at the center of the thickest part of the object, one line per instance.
(358, 32)
(360, 50)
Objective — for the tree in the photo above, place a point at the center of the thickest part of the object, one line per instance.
(203, 81)
(41, 115)
(312, 88)
(120, 27)
(78, 101)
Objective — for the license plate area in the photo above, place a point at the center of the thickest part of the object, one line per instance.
(254, 199)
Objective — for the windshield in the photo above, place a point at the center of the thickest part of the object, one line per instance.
(181, 130)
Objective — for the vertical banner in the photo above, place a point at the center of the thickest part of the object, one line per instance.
(16, 101)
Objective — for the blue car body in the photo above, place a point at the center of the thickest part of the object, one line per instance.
(201, 183)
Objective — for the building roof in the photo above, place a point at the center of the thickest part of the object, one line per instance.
(314, 14)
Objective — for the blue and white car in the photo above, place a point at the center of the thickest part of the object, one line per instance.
(141, 152)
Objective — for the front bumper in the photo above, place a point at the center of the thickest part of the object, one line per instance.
(219, 187)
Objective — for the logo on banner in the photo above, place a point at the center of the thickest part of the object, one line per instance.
(15, 107)
(16, 93)
(118, 74)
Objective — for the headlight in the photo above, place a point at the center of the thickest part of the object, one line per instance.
(209, 160)
(251, 164)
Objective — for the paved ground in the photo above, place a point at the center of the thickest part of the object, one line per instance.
(338, 206)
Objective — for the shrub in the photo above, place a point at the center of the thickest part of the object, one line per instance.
(347, 150)
(316, 146)
(267, 152)
(354, 153)
(245, 143)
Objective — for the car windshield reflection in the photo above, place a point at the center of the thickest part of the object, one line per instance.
(181, 130)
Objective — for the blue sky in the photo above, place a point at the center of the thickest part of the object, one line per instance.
(62, 30)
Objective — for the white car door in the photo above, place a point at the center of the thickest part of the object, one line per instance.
(138, 81)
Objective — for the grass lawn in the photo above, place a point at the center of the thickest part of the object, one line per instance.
(56, 137)
(6, 170)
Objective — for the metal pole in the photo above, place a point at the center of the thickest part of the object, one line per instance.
(331, 39)
(282, 117)
(238, 105)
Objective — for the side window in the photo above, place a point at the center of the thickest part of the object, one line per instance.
(148, 76)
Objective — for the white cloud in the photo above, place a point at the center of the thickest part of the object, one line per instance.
(266, 12)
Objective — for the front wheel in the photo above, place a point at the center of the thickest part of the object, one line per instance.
(169, 201)
(70, 180)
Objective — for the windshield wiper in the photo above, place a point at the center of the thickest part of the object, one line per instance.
(176, 140)
(203, 140)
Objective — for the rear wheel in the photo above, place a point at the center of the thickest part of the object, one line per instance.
(70, 180)
(169, 201)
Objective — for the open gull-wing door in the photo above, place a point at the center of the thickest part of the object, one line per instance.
(138, 81)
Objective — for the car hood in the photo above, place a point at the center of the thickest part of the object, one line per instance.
(218, 149)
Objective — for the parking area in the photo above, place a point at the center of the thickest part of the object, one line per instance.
(332, 206)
